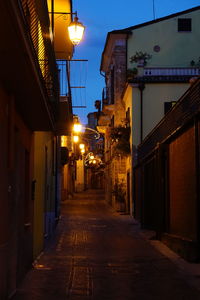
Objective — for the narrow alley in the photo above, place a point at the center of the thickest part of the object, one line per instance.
(100, 150)
(99, 254)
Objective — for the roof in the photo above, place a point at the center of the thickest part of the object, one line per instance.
(128, 30)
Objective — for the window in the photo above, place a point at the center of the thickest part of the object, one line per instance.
(184, 25)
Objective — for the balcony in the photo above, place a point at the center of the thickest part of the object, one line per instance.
(28, 66)
(107, 96)
(171, 72)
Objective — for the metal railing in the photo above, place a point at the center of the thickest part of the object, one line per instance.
(37, 25)
(185, 109)
(63, 77)
(105, 96)
(171, 71)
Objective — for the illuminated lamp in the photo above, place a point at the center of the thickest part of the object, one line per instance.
(76, 30)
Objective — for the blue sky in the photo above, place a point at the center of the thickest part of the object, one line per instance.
(103, 16)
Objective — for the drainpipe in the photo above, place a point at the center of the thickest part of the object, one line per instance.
(141, 88)
(102, 74)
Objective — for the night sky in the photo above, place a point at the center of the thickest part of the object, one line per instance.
(100, 17)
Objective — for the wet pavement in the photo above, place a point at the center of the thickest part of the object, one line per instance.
(100, 254)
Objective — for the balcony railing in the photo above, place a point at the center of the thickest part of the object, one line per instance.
(63, 77)
(171, 71)
(107, 96)
(38, 28)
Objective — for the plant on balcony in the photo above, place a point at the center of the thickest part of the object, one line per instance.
(120, 138)
(131, 73)
(140, 58)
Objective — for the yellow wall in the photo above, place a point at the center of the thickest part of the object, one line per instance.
(41, 139)
(62, 44)
(135, 116)
(127, 99)
(154, 96)
(175, 47)
(79, 183)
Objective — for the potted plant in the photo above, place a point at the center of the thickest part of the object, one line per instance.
(131, 73)
(120, 138)
(140, 58)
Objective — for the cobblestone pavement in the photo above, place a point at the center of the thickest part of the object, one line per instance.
(99, 254)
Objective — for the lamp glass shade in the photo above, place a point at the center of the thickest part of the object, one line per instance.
(76, 139)
(76, 30)
(77, 127)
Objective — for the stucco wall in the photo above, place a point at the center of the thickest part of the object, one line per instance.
(177, 49)
(182, 183)
(43, 187)
(79, 183)
(154, 96)
(136, 118)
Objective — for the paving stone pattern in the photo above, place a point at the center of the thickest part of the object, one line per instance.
(99, 254)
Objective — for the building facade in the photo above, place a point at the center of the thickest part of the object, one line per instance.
(29, 168)
(166, 177)
(147, 68)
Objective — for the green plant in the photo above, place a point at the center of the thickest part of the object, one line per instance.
(195, 64)
(139, 55)
(120, 132)
(131, 73)
(122, 148)
(120, 137)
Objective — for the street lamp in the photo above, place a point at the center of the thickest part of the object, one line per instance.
(75, 28)
(82, 146)
(76, 138)
(77, 127)
(91, 160)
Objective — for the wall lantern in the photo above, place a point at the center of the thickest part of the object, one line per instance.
(76, 30)
(76, 138)
(77, 127)
(82, 146)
